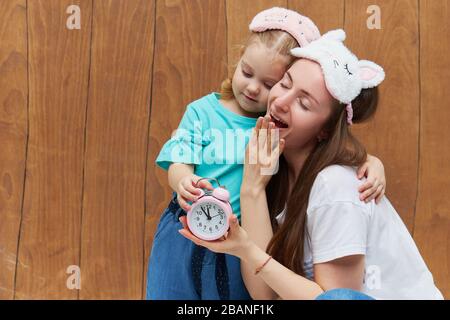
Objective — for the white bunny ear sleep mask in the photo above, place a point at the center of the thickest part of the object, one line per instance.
(345, 75)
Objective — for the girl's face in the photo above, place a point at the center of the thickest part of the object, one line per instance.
(257, 72)
(300, 104)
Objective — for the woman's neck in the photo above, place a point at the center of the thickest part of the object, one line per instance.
(295, 159)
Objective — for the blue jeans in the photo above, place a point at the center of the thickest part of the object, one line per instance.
(343, 294)
(174, 274)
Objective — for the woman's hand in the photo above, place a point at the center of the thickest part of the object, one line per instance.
(262, 155)
(375, 186)
(188, 190)
(235, 242)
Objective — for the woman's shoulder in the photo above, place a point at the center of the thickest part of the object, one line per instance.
(336, 183)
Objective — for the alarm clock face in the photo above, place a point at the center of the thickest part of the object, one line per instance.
(208, 220)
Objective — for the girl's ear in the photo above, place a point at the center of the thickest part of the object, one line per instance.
(370, 74)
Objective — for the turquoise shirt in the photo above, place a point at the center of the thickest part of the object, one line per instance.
(213, 139)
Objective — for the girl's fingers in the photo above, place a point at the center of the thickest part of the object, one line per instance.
(189, 187)
(365, 186)
(205, 184)
(362, 171)
(367, 195)
(378, 199)
(188, 196)
(376, 193)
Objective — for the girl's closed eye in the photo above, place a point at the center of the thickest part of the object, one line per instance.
(246, 74)
(268, 85)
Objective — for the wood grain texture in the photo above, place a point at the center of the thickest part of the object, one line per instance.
(432, 223)
(239, 16)
(58, 76)
(393, 133)
(13, 135)
(190, 62)
(116, 149)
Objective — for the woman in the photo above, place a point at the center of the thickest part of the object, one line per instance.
(318, 235)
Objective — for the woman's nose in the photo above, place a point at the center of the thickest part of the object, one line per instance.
(282, 104)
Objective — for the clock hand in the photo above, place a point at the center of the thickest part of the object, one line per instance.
(206, 213)
(216, 215)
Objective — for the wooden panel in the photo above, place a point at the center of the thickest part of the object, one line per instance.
(432, 224)
(190, 62)
(239, 15)
(13, 135)
(393, 133)
(58, 76)
(326, 14)
(117, 130)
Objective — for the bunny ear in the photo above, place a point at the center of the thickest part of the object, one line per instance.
(337, 35)
(370, 74)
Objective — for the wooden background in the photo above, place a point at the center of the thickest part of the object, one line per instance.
(83, 114)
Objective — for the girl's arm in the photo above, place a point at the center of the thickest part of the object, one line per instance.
(184, 182)
(375, 186)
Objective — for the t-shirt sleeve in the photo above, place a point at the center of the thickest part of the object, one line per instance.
(186, 144)
(337, 229)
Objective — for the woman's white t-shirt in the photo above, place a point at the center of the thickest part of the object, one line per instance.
(339, 225)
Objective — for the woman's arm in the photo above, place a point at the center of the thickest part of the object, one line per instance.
(285, 283)
(260, 155)
(256, 221)
(345, 272)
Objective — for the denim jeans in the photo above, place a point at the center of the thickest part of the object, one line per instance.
(343, 294)
(171, 272)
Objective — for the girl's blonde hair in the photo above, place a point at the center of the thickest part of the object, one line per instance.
(279, 41)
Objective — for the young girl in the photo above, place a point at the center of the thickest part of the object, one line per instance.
(177, 268)
(324, 238)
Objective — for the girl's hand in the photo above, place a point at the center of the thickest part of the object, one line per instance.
(188, 190)
(375, 186)
(235, 242)
(262, 154)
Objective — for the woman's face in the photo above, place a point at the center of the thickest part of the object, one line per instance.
(300, 104)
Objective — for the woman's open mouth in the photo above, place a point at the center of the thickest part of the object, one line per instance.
(278, 122)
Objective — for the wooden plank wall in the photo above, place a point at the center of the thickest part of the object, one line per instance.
(84, 113)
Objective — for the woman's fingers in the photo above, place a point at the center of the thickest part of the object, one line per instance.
(184, 222)
(189, 188)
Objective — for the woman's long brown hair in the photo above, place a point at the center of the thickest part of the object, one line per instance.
(340, 148)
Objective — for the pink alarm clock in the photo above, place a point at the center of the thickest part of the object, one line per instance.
(208, 217)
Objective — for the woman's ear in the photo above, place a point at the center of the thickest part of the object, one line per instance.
(323, 135)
